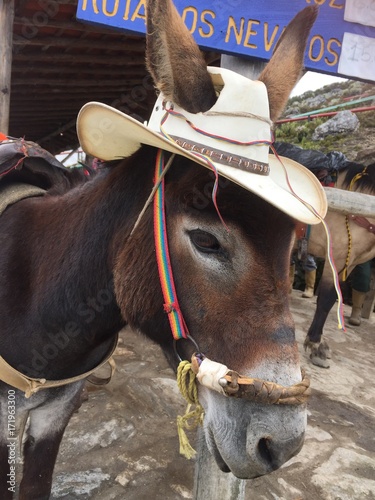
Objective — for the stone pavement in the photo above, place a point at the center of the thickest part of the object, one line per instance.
(122, 444)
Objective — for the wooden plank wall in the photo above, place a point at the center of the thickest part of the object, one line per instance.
(6, 30)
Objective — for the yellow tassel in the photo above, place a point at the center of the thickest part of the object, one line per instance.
(186, 382)
(356, 178)
(186, 450)
(344, 275)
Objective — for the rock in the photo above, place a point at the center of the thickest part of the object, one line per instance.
(356, 475)
(181, 491)
(78, 484)
(124, 478)
(292, 110)
(342, 123)
(332, 93)
(98, 434)
(366, 156)
(315, 102)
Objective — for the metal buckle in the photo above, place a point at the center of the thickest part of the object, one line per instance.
(189, 337)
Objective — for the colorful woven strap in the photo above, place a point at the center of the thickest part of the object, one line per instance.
(171, 305)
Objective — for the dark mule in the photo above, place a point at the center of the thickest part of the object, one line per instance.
(72, 277)
(346, 255)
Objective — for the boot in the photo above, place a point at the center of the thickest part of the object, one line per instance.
(358, 299)
(310, 283)
(292, 270)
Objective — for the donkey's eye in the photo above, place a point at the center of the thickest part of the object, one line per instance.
(205, 242)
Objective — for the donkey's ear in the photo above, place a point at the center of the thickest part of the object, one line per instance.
(174, 59)
(285, 66)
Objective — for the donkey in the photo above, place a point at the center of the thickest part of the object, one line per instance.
(74, 272)
(353, 242)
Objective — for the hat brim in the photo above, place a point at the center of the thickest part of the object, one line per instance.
(107, 133)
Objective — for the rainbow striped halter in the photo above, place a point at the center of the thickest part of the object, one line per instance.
(171, 304)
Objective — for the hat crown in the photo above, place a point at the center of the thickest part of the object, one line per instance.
(240, 117)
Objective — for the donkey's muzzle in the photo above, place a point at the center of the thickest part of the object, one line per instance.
(252, 439)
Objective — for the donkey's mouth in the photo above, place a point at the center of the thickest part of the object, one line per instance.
(211, 443)
(219, 459)
(252, 452)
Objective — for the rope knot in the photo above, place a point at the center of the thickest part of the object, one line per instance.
(170, 308)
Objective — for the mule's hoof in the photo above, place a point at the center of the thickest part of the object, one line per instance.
(318, 357)
(308, 344)
(326, 349)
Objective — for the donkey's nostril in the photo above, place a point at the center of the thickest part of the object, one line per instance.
(273, 453)
(264, 448)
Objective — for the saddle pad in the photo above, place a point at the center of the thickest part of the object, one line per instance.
(11, 193)
(26, 162)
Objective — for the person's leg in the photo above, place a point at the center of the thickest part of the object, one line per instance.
(360, 278)
(310, 275)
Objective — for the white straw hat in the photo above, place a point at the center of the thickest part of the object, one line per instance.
(234, 134)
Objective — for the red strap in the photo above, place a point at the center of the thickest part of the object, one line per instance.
(363, 222)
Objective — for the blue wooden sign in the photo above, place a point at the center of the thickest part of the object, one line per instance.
(342, 41)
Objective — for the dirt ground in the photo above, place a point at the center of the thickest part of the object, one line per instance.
(123, 444)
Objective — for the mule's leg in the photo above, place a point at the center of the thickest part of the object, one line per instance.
(12, 420)
(46, 429)
(4, 466)
(320, 352)
(40, 457)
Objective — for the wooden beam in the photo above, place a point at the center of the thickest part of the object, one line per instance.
(58, 92)
(66, 2)
(22, 98)
(87, 58)
(57, 108)
(6, 32)
(73, 26)
(80, 43)
(60, 130)
(76, 83)
(76, 69)
(350, 202)
(42, 118)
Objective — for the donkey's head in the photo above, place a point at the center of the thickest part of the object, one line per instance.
(231, 281)
(232, 285)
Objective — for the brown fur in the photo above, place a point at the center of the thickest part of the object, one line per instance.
(72, 277)
(288, 61)
(263, 283)
(175, 61)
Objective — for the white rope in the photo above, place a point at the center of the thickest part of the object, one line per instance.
(152, 194)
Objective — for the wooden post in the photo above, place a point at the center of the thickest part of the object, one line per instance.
(246, 67)
(6, 33)
(209, 482)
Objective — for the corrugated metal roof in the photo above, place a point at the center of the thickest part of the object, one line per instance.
(59, 64)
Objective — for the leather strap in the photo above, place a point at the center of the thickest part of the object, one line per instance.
(363, 222)
(30, 385)
(300, 229)
(11, 193)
